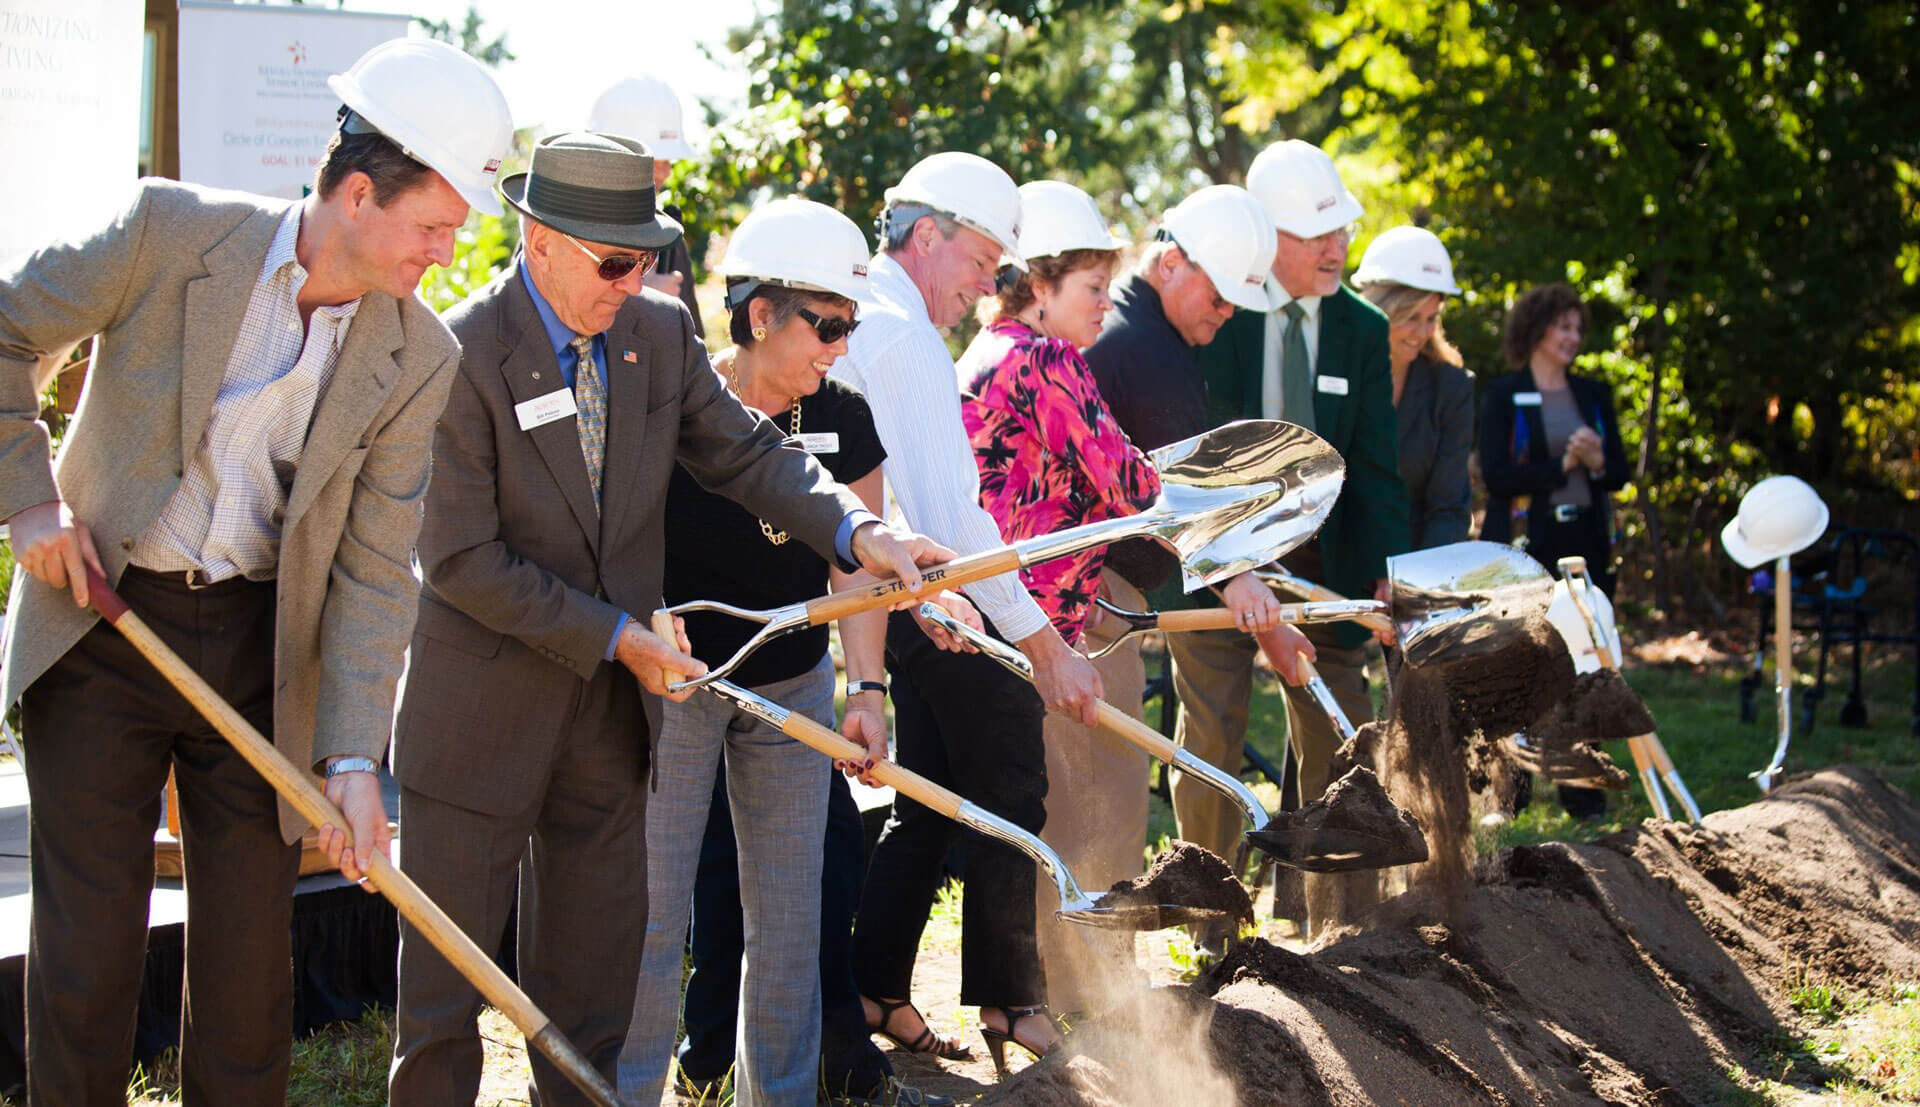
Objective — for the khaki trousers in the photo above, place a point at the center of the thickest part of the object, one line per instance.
(1096, 822)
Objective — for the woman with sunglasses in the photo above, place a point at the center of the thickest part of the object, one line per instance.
(794, 270)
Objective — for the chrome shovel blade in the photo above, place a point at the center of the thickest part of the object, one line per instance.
(1466, 599)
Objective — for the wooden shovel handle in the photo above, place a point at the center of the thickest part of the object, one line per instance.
(663, 629)
(904, 781)
(1150, 741)
(885, 593)
(298, 788)
(1317, 593)
(1197, 618)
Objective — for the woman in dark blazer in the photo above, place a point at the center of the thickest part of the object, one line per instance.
(1550, 448)
(1407, 274)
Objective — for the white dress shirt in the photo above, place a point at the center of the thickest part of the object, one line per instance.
(1277, 324)
(899, 362)
(225, 517)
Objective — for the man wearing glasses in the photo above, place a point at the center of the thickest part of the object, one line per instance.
(1320, 361)
(523, 739)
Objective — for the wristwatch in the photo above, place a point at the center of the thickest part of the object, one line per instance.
(351, 765)
(855, 687)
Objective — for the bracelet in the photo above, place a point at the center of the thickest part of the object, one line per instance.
(855, 687)
(351, 765)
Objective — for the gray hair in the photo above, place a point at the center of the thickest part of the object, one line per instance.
(896, 224)
(1155, 250)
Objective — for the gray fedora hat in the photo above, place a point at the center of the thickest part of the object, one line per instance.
(594, 187)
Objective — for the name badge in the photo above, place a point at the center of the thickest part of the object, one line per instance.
(826, 442)
(1332, 386)
(542, 410)
(1526, 399)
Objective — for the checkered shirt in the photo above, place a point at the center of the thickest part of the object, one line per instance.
(225, 517)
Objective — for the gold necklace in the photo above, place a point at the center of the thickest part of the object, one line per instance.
(776, 537)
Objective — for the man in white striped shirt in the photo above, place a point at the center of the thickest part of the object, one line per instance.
(960, 719)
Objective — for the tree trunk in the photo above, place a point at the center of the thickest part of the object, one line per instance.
(1647, 470)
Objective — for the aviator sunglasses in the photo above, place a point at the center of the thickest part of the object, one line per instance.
(829, 329)
(615, 267)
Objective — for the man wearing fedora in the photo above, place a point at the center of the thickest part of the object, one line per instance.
(523, 736)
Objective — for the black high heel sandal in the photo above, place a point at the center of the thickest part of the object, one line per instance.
(927, 1042)
(997, 1039)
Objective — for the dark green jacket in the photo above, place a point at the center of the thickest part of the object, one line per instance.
(1368, 523)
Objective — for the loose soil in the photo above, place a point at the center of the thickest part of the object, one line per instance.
(1601, 707)
(1640, 969)
(1354, 813)
(1184, 875)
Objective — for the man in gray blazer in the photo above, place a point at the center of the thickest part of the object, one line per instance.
(522, 745)
(247, 466)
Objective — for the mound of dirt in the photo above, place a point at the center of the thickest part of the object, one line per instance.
(1184, 875)
(1637, 970)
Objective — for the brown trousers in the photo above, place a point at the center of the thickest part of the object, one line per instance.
(1096, 822)
(104, 728)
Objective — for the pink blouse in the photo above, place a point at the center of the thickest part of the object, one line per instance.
(1050, 457)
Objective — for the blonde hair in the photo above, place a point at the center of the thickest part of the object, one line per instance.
(1399, 302)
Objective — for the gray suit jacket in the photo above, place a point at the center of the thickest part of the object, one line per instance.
(165, 286)
(525, 583)
(1436, 439)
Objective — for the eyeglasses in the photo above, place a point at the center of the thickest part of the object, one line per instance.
(615, 267)
(829, 329)
(1341, 235)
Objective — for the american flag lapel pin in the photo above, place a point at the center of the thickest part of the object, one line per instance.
(629, 357)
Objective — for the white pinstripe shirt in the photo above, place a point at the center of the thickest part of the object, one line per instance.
(225, 517)
(898, 360)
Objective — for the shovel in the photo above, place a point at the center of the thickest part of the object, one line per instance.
(1457, 600)
(1235, 497)
(297, 788)
(1322, 850)
(1650, 760)
(1075, 905)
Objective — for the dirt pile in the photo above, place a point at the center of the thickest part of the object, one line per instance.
(1636, 970)
(1184, 875)
(1353, 826)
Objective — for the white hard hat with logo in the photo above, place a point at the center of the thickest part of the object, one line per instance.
(971, 190)
(1056, 217)
(1778, 517)
(438, 105)
(1300, 188)
(1410, 256)
(645, 108)
(1223, 230)
(797, 243)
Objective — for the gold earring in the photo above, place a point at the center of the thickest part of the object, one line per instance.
(759, 334)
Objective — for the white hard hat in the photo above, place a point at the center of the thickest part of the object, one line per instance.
(798, 243)
(1056, 217)
(972, 190)
(1778, 517)
(1300, 188)
(645, 108)
(1412, 256)
(1222, 230)
(438, 105)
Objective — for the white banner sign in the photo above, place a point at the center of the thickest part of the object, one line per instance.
(255, 110)
(70, 111)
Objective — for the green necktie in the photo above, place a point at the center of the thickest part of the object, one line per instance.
(1296, 369)
(590, 398)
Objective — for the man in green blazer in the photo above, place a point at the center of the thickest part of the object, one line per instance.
(1320, 361)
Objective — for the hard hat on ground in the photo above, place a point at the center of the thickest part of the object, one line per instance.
(1298, 185)
(1410, 256)
(1056, 217)
(645, 108)
(594, 187)
(1222, 229)
(971, 190)
(797, 243)
(1778, 517)
(438, 105)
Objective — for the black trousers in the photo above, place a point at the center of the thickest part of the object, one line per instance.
(105, 727)
(962, 721)
(1549, 541)
(849, 1061)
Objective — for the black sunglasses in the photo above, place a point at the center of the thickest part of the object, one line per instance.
(830, 329)
(615, 267)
